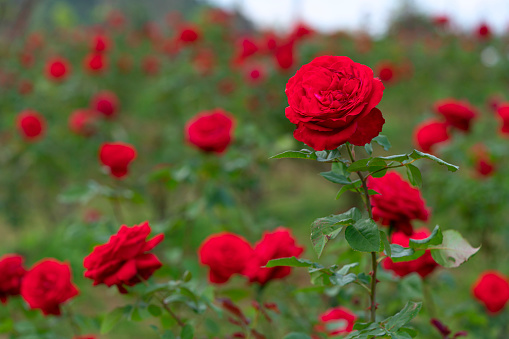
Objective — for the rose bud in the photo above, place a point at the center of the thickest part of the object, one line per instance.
(100, 43)
(503, 113)
(430, 133)
(225, 254)
(332, 101)
(11, 275)
(106, 103)
(57, 69)
(47, 285)
(31, 124)
(210, 131)
(94, 63)
(82, 122)
(189, 34)
(484, 166)
(123, 260)
(483, 31)
(117, 156)
(336, 321)
(398, 203)
(457, 114)
(424, 265)
(274, 245)
(492, 289)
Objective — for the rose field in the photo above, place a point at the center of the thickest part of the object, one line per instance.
(183, 174)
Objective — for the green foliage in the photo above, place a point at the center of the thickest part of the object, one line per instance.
(363, 236)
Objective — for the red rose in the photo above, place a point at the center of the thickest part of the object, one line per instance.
(57, 69)
(483, 164)
(278, 244)
(117, 156)
(31, 124)
(424, 265)
(226, 254)
(332, 100)
(300, 31)
(484, 31)
(82, 122)
(189, 34)
(503, 113)
(398, 203)
(245, 49)
(100, 43)
(85, 337)
(11, 274)
(94, 62)
(47, 285)
(106, 103)
(210, 131)
(386, 71)
(458, 114)
(284, 54)
(336, 321)
(430, 133)
(441, 21)
(492, 289)
(124, 260)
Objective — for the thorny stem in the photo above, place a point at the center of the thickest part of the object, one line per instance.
(374, 262)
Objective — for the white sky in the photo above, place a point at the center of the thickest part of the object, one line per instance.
(373, 15)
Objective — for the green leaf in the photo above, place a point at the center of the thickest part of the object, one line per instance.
(383, 141)
(351, 187)
(327, 156)
(421, 155)
(363, 236)
(291, 262)
(369, 148)
(112, 318)
(295, 335)
(453, 251)
(400, 253)
(414, 175)
(302, 154)
(403, 317)
(435, 238)
(341, 277)
(187, 332)
(327, 228)
(385, 242)
(336, 178)
(154, 310)
(359, 165)
(168, 335)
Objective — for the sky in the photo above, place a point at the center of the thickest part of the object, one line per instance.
(371, 15)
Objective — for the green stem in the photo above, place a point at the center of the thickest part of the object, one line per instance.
(374, 261)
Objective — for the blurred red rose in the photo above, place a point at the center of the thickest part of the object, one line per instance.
(117, 156)
(492, 289)
(336, 321)
(86, 337)
(225, 254)
(503, 113)
(398, 203)
(457, 113)
(204, 61)
(100, 43)
(124, 260)
(483, 31)
(430, 133)
(106, 103)
(82, 122)
(284, 54)
(47, 285)
(274, 245)
(26, 59)
(210, 131)
(386, 71)
(31, 124)
(11, 275)
(424, 265)
(95, 62)
(57, 69)
(25, 87)
(484, 166)
(254, 74)
(188, 34)
(441, 21)
(125, 63)
(332, 100)
(151, 65)
(116, 19)
(246, 48)
(300, 31)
